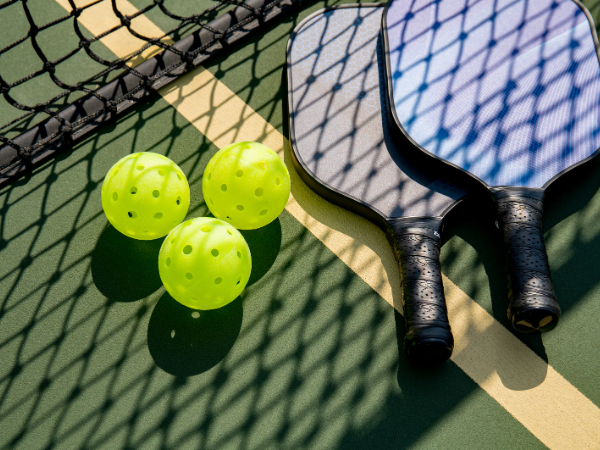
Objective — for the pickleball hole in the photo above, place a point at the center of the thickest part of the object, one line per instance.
(209, 176)
(133, 190)
(214, 252)
(158, 215)
(239, 255)
(187, 249)
(218, 280)
(211, 201)
(179, 176)
(155, 193)
(259, 192)
(206, 229)
(161, 172)
(168, 262)
(229, 232)
(115, 196)
(238, 281)
(262, 165)
(240, 207)
(195, 314)
(179, 200)
(277, 181)
(223, 187)
(132, 214)
(263, 212)
(239, 173)
(189, 276)
(140, 167)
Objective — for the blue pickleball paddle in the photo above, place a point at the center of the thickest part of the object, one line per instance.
(508, 92)
(342, 148)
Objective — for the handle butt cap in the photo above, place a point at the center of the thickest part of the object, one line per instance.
(429, 347)
(534, 320)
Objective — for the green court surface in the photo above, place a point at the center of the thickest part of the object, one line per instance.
(95, 354)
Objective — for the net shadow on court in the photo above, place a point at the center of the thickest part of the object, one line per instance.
(315, 361)
(81, 358)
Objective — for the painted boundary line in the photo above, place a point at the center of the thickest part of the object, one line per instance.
(551, 408)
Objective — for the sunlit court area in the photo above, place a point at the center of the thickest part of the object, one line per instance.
(95, 353)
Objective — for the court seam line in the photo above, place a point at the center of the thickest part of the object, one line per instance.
(553, 410)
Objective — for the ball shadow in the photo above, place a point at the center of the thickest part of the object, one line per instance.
(125, 269)
(264, 244)
(185, 342)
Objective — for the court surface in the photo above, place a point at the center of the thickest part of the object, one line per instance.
(95, 354)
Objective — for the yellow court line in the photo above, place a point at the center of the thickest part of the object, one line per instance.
(534, 393)
(101, 17)
(526, 386)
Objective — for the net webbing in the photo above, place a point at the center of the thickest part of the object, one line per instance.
(199, 36)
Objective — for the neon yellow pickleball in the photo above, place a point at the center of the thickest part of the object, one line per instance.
(204, 263)
(145, 195)
(246, 184)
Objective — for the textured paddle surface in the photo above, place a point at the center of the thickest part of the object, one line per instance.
(508, 90)
(337, 118)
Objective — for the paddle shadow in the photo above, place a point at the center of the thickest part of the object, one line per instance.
(477, 228)
(422, 398)
(577, 275)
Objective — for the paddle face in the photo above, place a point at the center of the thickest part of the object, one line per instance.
(342, 148)
(339, 137)
(508, 91)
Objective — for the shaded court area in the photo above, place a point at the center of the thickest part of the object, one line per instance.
(97, 355)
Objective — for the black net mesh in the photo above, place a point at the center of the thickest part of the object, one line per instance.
(43, 121)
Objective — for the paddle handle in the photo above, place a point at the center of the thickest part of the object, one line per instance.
(532, 303)
(428, 338)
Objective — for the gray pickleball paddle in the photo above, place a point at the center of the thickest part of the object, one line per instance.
(508, 92)
(343, 150)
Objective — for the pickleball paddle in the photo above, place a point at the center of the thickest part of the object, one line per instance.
(342, 149)
(508, 92)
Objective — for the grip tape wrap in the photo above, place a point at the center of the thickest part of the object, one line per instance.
(417, 250)
(532, 302)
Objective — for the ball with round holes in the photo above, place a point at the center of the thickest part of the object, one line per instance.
(204, 263)
(246, 184)
(145, 195)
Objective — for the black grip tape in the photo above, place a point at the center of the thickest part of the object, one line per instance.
(417, 249)
(532, 302)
